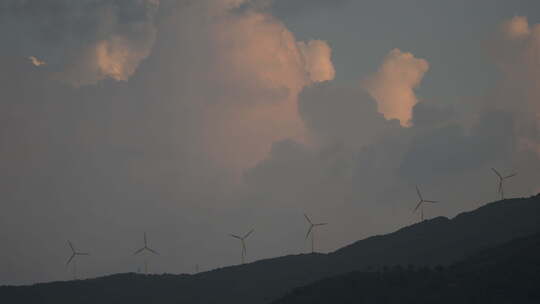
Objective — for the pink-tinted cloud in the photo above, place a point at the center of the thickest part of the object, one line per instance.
(260, 68)
(516, 28)
(36, 62)
(392, 86)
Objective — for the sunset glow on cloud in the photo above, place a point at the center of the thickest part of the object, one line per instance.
(264, 68)
(393, 85)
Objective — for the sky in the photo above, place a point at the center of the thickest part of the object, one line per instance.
(192, 120)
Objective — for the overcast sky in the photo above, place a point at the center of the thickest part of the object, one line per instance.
(190, 120)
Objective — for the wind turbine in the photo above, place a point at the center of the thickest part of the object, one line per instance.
(501, 181)
(421, 203)
(310, 231)
(148, 249)
(74, 253)
(243, 241)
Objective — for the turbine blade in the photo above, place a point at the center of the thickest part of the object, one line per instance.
(418, 206)
(82, 253)
(500, 186)
(70, 258)
(152, 251)
(139, 251)
(419, 194)
(251, 231)
(307, 218)
(71, 246)
(144, 238)
(235, 236)
(511, 175)
(309, 231)
(433, 202)
(320, 224)
(497, 172)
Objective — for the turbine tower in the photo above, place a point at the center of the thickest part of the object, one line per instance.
(147, 249)
(501, 181)
(74, 253)
(243, 242)
(421, 203)
(311, 232)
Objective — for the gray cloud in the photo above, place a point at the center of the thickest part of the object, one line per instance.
(82, 42)
(293, 7)
(285, 8)
(343, 115)
(450, 149)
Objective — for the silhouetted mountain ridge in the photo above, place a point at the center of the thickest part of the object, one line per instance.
(508, 273)
(431, 242)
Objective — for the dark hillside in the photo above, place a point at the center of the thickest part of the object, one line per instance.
(432, 242)
(509, 273)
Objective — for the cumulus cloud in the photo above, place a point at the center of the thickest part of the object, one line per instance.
(83, 41)
(317, 59)
(242, 70)
(257, 69)
(394, 83)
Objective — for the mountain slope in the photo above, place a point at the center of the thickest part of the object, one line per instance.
(432, 242)
(444, 241)
(509, 273)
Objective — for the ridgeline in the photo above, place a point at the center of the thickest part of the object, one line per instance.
(436, 242)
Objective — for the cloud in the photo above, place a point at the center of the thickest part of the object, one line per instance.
(283, 8)
(515, 50)
(516, 28)
(250, 81)
(450, 149)
(36, 62)
(430, 115)
(394, 83)
(317, 59)
(84, 41)
(342, 115)
(239, 73)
